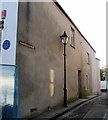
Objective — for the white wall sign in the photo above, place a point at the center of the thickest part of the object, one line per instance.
(9, 33)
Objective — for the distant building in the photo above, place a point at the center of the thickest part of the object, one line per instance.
(106, 76)
(39, 58)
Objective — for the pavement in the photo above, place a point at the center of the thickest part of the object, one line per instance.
(58, 111)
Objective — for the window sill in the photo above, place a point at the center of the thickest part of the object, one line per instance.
(87, 89)
(88, 63)
(72, 46)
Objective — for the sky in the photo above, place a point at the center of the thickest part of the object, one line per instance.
(90, 17)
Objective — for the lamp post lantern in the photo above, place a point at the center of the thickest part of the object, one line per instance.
(64, 39)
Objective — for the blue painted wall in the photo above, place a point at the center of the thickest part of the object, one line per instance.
(9, 92)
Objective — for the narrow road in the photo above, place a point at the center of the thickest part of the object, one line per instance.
(95, 109)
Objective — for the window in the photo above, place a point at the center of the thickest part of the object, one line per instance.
(87, 83)
(88, 58)
(72, 39)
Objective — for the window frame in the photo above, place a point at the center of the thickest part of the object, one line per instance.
(88, 58)
(72, 36)
(87, 82)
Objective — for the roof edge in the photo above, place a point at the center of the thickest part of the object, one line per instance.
(59, 6)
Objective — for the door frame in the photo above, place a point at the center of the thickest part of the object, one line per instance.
(79, 84)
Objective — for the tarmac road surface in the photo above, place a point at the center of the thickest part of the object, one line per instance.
(95, 109)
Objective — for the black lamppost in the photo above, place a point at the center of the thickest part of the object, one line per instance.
(64, 39)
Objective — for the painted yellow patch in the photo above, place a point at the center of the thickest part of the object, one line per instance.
(51, 82)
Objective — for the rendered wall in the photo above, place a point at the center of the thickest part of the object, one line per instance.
(96, 83)
(41, 69)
